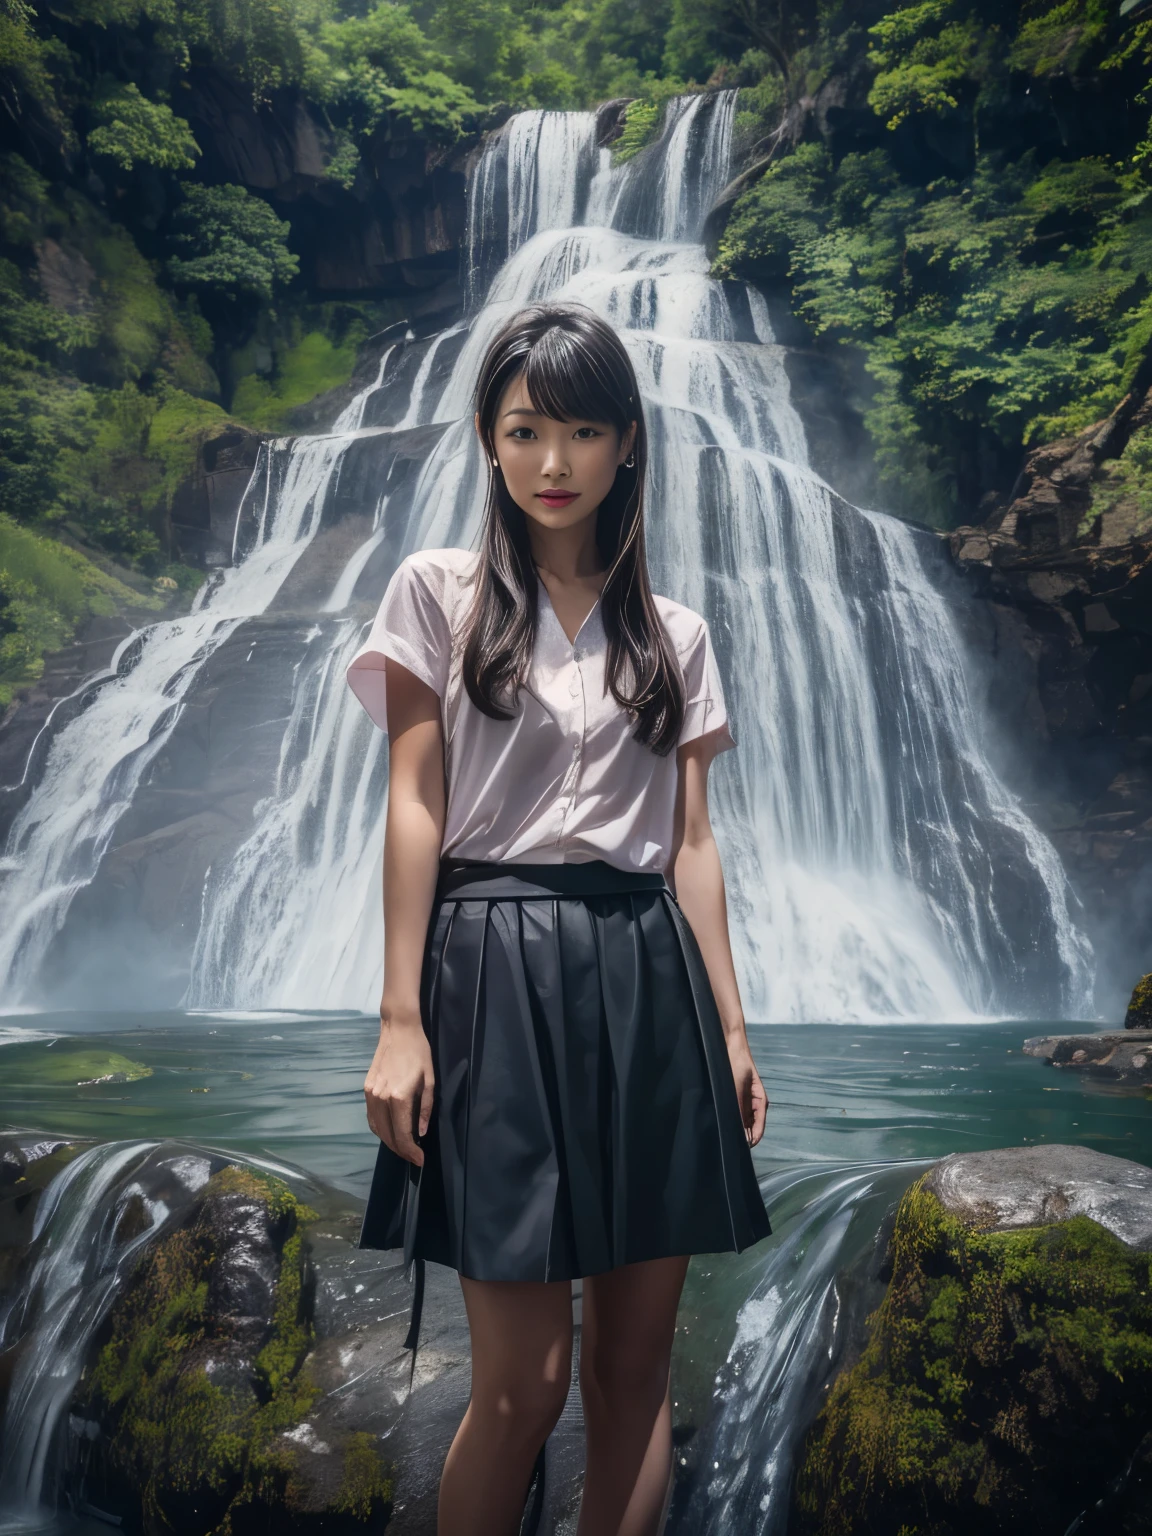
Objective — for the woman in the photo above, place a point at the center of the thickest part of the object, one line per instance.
(563, 1085)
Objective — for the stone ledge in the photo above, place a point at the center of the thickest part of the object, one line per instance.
(1126, 1055)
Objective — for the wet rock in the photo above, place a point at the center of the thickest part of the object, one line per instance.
(1006, 1380)
(193, 1411)
(1139, 1014)
(206, 505)
(28, 1163)
(1125, 1057)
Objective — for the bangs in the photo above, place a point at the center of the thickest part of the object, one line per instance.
(567, 381)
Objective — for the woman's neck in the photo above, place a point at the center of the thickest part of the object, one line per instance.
(567, 554)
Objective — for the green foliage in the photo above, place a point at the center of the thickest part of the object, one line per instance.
(989, 1352)
(28, 66)
(313, 365)
(235, 243)
(992, 309)
(46, 590)
(135, 131)
(1122, 496)
(925, 54)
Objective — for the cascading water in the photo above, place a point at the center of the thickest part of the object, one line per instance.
(82, 1258)
(865, 833)
(877, 866)
(96, 763)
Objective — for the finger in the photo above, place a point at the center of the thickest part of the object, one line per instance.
(758, 1122)
(402, 1113)
(761, 1111)
(380, 1120)
(426, 1104)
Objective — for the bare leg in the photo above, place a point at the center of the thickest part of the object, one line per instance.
(521, 1369)
(625, 1353)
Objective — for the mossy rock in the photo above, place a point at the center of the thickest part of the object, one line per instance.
(69, 1069)
(1139, 1015)
(196, 1394)
(1006, 1379)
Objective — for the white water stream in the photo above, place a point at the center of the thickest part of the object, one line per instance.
(877, 866)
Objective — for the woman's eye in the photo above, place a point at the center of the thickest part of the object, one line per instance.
(516, 431)
(591, 431)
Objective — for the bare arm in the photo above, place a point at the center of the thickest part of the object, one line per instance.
(695, 874)
(400, 1080)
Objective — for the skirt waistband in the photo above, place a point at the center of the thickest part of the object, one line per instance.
(476, 881)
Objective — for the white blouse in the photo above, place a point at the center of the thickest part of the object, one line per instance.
(564, 780)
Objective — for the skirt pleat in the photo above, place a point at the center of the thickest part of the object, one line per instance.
(585, 1113)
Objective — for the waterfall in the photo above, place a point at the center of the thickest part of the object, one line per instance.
(81, 1261)
(877, 866)
(791, 1333)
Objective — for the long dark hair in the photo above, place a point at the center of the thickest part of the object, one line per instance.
(574, 367)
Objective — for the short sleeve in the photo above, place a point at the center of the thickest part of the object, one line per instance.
(410, 627)
(704, 709)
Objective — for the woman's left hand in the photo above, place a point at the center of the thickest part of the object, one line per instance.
(749, 1089)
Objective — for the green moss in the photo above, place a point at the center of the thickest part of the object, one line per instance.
(44, 1067)
(365, 1484)
(176, 434)
(174, 1432)
(991, 1353)
(304, 370)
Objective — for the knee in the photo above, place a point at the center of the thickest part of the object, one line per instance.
(628, 1375)
(525, 1408)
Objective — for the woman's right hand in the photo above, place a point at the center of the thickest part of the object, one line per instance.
(400, 1081)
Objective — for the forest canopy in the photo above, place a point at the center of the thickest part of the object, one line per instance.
(949, 199)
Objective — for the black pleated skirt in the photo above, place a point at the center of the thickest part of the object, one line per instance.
(585, 1114)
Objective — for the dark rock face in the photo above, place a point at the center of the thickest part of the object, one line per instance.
(207, 504)
(397, 231)
(1007, 1377)
(1067, 632)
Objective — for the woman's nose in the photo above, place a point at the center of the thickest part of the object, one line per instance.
(556, 461)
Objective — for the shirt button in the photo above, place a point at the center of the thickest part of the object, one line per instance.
(577, 655)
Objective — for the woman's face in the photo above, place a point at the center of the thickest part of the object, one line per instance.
(557, 472)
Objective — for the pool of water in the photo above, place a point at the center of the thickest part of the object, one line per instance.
(856, 1112)
(290, 1086)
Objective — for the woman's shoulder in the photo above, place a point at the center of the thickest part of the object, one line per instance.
(686, 628)
(441, 566)
(444, 574)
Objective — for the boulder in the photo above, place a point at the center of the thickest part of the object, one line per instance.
(1006, 1380)
(193, 1409)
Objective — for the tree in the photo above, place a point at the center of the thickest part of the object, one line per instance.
(135, 131)
(236, 244)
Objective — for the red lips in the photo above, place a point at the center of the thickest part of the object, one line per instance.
(556, 498)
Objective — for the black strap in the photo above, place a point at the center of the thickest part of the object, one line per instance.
(534, 1504)
(413, 1337)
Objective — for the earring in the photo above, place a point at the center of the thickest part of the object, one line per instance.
(630, 461)
(496, 463)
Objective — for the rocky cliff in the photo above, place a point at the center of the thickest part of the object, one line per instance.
(1063, 571)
